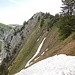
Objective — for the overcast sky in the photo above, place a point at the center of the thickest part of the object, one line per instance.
(17, 11)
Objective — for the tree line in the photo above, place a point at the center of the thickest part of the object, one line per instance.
(67, 20)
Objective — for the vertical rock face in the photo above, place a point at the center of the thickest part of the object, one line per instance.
(16, 37)
(3, 32)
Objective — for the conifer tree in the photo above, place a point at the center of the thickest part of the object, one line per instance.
(68, 7)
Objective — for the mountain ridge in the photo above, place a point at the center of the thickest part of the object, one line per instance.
(39, 26)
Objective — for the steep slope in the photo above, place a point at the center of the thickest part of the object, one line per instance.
(15, 40)
(32, 45)
(59, 47)
(18, 36)
(49, 68)
(4, 30)
(51, 46)
(29, 49)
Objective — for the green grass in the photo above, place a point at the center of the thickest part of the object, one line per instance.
(29, 48)
(0, 46)
(27, 51)
(6, 27)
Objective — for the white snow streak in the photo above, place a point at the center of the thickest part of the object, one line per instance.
(47, 49)
(56, 65)
(38, 50)
(0, 61)
(37, 39)
(36, 58)
(43, 53)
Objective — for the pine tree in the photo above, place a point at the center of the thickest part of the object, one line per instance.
(68, 7)
(67, 21)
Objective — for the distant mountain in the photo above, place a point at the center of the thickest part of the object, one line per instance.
(6, 27)
(14, 25)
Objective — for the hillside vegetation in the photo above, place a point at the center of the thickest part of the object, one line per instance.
(57, 41)
(59, 31)
(47, 26)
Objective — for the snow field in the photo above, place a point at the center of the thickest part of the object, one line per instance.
(56, 65)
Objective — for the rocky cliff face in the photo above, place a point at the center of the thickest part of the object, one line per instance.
(3, 32)
(16, 37)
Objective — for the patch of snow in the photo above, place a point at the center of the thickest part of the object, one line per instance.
(56, 65)
(43, 53)
(37, 39)
(38, 50)
(46, 49)
(36, 58)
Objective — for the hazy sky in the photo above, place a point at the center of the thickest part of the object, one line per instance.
(17, 11)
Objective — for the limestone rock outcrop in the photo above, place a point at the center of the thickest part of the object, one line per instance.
(17, 36)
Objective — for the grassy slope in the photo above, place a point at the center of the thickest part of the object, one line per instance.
(28, 50)
(52, 41)
(56, 46)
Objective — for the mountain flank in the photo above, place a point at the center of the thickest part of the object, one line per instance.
(22, 42)
(47, 26)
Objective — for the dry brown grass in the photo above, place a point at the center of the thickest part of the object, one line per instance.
(56, 46)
